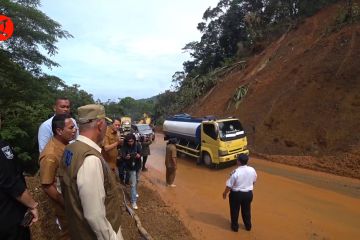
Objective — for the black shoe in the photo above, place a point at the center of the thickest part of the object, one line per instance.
(234, 227)
(144, 169)
(247, 228)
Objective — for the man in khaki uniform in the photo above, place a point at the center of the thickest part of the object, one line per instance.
(170, 162)
(64, 131)
(91, 196)
(111, 142)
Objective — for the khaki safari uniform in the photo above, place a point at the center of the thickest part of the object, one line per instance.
(111, 155)
(170, 167)
(73, 159)
(49, 163)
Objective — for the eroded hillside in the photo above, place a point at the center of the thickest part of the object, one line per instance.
(303, 96)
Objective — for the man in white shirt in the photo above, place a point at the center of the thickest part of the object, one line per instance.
(91, 196)
(62, 105)
(240, 185)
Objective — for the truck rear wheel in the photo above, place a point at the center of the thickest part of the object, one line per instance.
(207, 159)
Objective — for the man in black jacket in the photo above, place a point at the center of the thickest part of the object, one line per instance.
(15, 199)
(131, 154)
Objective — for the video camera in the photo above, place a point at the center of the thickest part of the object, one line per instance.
(133, 155)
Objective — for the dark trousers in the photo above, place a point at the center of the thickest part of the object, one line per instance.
(170, 175)
(144, 161)
(15, 233)
(241, 200)
(123, 174)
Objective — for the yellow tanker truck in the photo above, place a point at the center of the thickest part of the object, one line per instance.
(211, 141)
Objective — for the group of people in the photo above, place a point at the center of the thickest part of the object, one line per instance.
(126, 156)
(83, 173)
(81, 177)
(76, 176)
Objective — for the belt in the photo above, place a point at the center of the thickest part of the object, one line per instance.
(240, 191)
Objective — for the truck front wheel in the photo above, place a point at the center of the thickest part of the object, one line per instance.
(207, 159)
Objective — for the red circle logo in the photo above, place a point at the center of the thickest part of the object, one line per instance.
(6, 28)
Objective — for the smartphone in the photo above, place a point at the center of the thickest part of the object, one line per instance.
(28, 217)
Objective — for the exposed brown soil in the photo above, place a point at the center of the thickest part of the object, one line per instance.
(159, 220)
(289, 203)
(303, 96)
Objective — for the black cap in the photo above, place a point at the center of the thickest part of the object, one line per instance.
(243, 158)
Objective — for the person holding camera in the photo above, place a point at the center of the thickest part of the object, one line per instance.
(18, 209)
(131, 153)
(145, 150)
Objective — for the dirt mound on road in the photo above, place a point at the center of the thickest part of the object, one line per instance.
(303, 95)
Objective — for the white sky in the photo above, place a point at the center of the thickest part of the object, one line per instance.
(124, 48)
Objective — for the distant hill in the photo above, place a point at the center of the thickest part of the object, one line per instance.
(154, 99)
(303, 93)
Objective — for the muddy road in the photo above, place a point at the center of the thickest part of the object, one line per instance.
(289, 202)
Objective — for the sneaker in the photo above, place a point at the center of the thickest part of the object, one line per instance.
(137, 195)
(171, 185)
(134, 206)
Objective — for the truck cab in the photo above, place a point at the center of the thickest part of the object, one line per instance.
(126, 125)
(222, 141)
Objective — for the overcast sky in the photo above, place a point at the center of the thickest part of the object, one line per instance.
(124, 48)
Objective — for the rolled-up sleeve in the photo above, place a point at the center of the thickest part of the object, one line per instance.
(90, 181)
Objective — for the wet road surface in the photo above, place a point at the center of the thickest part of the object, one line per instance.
(289, 202)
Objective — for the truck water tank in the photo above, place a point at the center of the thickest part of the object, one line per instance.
(187, 129)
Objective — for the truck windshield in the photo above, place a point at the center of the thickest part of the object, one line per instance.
(144, 127)
(230, 130)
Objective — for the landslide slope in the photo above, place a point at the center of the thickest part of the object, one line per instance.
(303, 95)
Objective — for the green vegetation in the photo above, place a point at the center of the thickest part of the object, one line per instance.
(232, 31)
(239, 95)
(26, 94)
(34, 31)
(346, 15)
(130, 107)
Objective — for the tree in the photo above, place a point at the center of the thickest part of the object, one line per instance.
(22, 108)
(165, 106)
(113, 109)
(177, 78)
(27, 95)
(233, 30)
(76, 96)
(33, 31)
(223, 27)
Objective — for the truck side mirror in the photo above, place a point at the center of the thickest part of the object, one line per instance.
(216, 131)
